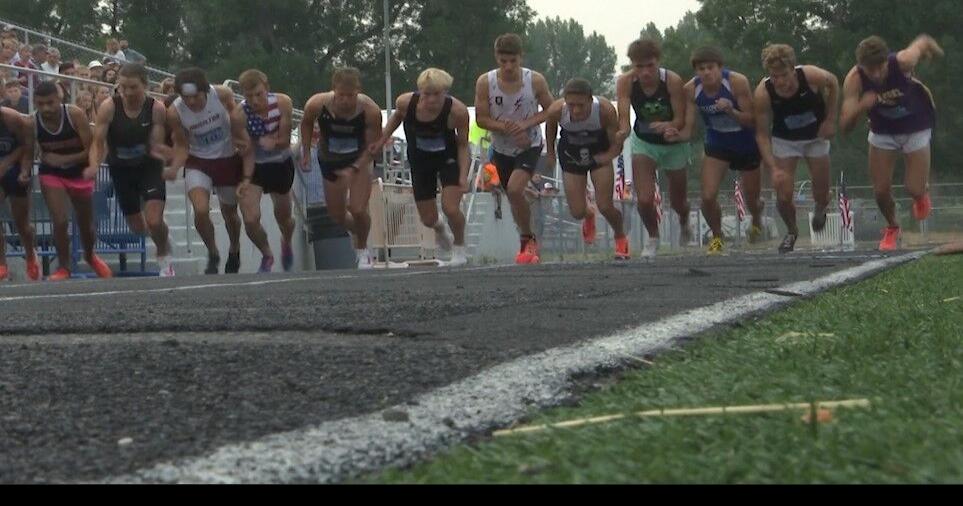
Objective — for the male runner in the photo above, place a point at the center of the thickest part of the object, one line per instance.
(350, 122)
(63, 135)
(796, 118)
(658, 98)
(127, 127)
(436, 126)
(590, 142)
(269, 167)
(902, 116)
(724, 99)
(13, 139)
(207, 134)
(507, 102)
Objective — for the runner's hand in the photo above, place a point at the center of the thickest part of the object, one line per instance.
(724, 105)
(827, 130)
(162, 152)
(868, 100)
(90, 173)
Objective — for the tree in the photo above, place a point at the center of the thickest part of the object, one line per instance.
(561, 51)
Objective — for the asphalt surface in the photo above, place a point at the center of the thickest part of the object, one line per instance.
(103, 378)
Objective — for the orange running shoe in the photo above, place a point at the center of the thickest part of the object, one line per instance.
(890, 240)
(532, 250)
(4, 272)
(524, 257)
(62, 274)
(33, 269)
(922, 207)
(100, 267)
(589, 231)
(622, 249)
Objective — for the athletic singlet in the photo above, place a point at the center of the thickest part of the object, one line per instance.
(258, 127)
(517, 107)
(798, 117)
(722, 130)
(905, 104)
(433, 138)
(128, 139)
(582, 140)
(8, 143)
(208, 131)
(342, 140)
(652, 109)
(65, 141)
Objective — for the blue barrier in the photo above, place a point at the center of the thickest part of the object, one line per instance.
(114, 236)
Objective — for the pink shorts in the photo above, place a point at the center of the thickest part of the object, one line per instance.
(78, 187)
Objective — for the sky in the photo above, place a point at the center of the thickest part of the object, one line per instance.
(620, 21)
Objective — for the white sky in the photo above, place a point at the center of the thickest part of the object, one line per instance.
(620, 21)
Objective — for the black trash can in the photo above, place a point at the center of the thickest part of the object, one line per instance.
(333, 249)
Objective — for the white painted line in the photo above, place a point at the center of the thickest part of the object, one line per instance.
(268, 282)
(495, 398)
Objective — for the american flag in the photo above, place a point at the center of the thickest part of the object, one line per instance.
(845, 209)
(620, 178)
(658, 201)
(740, 202)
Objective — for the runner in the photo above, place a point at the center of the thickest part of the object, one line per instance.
(507, 102)
(436, 126)
(902, 116)
(207, 135)
(796, 118)
(13, 139)
(590, 142)
(350, 122)
(127, 127)
(658, 98)
(269, 167)
(724, 99)
(63, 135)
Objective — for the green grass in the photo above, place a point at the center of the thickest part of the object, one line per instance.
(895, 341)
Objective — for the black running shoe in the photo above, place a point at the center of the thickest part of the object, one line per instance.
(233, 265)
(788, 244)
(819, 222)
(213, 265)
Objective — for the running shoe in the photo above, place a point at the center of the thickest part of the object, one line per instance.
(100, 267)
(716, 246)
(922, 208)
(62, 274)
(233, 265)
(890, 240)
(788, 244)
(622, 249)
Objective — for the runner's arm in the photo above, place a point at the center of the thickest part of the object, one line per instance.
(743, 92)
(763, 115)
(179, 136)
(855, 104)
(14, 124)
(924, 47)
(98, 147)
(462, 122)
(286, 126)
(551, 129)
(545, 99)
(624, 94)
(610, 120)
(242, 141)
(312, 110)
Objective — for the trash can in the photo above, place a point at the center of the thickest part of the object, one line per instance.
(333, 249)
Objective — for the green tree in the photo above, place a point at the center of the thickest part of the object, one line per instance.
(560, 50)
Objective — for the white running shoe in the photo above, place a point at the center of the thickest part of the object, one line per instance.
(651, 250)
(444, 237)
(459, 257)
(166, 265)
(365, 261)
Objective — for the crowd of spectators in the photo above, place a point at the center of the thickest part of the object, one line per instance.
(101, 72)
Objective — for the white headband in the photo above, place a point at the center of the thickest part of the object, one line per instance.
(188, 89)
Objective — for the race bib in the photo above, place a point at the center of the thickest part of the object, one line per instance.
(431, 144)
(724, 123)
(800, 121)
(343, 145)
(132, 153)
(898, 112)
(212, 137)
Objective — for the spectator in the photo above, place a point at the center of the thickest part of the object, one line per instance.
(14, 98)
(113, 50)
(52, 64)
(23, 55)
(8, 32)
(34, 59)
(110, 76)
(102, 94)
(96, 70)
(167, 87)
(83, 72)
(8, 52)
(68, 69)
(132, 56)
(85, 101)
